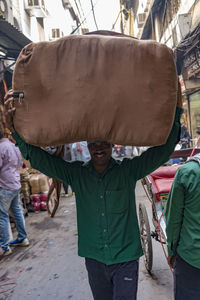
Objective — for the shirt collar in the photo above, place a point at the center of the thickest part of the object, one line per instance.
(112, 163)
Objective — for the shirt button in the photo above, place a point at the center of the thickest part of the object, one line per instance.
(102, 214)
(101, 196)
(106, 245)
(104, 230)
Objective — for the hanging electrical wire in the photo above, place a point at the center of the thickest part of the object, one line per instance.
(121, 18)
(91, 1)
(81, 8)
(82, 12)
(78, 9)
(163, 20)
(113, 26)
(84, 19)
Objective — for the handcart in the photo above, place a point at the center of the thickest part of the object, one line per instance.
(157, 186)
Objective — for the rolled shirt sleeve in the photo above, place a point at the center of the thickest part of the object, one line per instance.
(46, 163)
(154, 157)
(174, 214)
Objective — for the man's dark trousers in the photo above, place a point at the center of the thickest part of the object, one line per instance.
(113, 282)
(186, 281)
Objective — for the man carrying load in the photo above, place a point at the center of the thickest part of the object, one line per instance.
(108, 232)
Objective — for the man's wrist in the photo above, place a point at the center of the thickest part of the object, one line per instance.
(12, 130)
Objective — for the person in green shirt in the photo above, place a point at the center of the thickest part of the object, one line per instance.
(108, 231)
(183, 230)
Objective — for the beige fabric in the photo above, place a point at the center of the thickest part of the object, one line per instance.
(95, 87)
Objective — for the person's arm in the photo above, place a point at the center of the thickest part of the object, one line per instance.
(20, 158)
(46, 163)
(41, 160)
(156, 156)
(1, 160)
(174, 214)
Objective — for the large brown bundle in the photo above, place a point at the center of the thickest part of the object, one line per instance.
(91, 87)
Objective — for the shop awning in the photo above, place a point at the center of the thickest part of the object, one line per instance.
(11, 39)
(189, 43)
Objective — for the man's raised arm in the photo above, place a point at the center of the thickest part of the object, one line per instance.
(52, 166)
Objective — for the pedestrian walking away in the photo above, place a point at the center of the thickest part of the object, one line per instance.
(10, 163)
(183, 230)
(185, 137)
(67, 157)
(108, 231)
(79, 151)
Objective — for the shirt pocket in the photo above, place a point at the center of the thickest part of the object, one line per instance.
(117, 201)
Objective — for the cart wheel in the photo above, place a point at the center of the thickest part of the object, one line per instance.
(145, 236)
(52, 203)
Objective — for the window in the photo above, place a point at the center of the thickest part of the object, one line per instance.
(33, 2)
(55, 33)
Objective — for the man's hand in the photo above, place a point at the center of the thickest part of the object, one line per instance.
(171, 261)
(9, 110)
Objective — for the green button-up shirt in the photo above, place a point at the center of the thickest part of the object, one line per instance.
(183, 214)
(106, 211)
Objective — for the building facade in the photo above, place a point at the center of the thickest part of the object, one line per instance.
(24, 21)
(176, 23)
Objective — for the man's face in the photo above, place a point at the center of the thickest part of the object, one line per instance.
(100, 152)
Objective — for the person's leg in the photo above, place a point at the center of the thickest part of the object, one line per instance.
(73, 153)
(125, 280)
(18, 215)
(5, 201)
(65, 186)
(186, 281)
(123, 151)
(99, 280)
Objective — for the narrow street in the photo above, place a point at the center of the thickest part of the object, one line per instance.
(78, 78)
(51, 269)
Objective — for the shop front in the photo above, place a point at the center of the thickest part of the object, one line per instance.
(194, 107)
(11, 43)
(188, 66)
(34, 185)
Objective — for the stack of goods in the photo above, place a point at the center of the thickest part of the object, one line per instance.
(3, 127)
(39, 189)
(1, 119)
(39, 201)
(25, 187)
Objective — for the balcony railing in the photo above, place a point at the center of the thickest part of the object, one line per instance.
(36, 8)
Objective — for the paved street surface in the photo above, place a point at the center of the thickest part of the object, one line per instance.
(51, 269)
